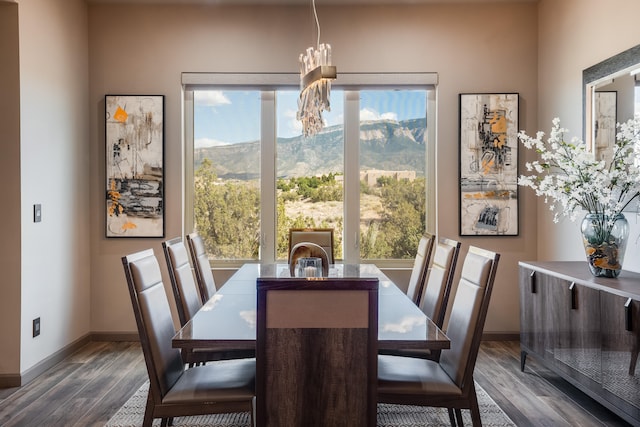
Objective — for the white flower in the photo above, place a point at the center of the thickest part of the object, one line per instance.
(568, 176)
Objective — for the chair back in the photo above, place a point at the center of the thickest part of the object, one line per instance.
(468, 314)
(322, 237)
(420, 266)
(316, 352)
(201, 266)
(154, 321)
(185, 289)
(435, 296)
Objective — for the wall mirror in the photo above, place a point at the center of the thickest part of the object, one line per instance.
(611, 94)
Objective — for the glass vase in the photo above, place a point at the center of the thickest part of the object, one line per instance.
(605, 241)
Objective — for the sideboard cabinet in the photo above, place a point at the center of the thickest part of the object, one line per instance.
(584, 328)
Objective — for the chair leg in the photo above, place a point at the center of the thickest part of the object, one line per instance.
(170, 421)
(474, 408)
(452, 418)
(459, 417)
(163, 422)
(148, 412)
(254, 422)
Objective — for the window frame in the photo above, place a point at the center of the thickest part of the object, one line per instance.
(268, 84)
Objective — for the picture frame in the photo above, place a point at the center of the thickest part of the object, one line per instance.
(605, 117)
(134, 152)
(488, 164)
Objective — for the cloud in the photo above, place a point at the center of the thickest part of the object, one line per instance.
(293, 125)
(333, 119)
(367, 114)
(208, 142)
(211, 98)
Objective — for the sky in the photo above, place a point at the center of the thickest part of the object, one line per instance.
(233, 116)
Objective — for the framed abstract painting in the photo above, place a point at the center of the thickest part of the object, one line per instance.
(488, 167)
(134, 139)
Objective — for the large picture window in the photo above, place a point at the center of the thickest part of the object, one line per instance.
(251, 174)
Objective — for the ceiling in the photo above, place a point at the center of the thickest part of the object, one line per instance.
(304, 2)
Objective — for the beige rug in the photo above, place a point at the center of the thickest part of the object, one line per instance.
(131, 414)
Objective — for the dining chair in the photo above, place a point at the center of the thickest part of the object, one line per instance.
(448, 382)
(316, 356)
(436, 292)
(188, 302)
(320, 236)
(219, 387)
(420, 266)
(201, 266)
(435, 295)
(185, 290)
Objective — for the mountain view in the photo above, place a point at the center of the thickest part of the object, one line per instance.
(309, 194)
(385, 145)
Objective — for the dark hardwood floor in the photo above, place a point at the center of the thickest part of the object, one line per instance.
(87, 388)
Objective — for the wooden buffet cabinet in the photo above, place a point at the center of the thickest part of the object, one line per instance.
(584, 328)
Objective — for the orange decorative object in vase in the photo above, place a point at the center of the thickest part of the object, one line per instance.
(605, 242)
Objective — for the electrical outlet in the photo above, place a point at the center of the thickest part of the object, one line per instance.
(36, 327)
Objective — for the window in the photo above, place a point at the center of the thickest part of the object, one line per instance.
(309, 172)
(392, 172)
(251, 175)
(226, 164)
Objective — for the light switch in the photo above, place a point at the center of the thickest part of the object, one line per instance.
(37, 213)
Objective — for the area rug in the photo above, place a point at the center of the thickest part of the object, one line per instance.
(131, 414)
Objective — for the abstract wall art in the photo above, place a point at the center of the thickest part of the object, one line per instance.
(134, 137)
(488, 169)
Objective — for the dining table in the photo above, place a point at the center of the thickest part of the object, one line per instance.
(228, 318)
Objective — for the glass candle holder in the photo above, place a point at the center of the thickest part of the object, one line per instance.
(309, 267)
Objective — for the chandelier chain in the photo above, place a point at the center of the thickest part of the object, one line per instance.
(315, 14)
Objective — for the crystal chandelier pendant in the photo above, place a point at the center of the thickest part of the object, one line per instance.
(316, 74)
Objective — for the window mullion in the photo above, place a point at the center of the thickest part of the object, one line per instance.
(431, 187)
(188, 168)
(268, 198)
(351, 238)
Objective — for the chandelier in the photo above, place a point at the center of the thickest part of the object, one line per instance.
(316, 73)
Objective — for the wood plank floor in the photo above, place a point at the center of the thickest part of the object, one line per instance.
(87, 388)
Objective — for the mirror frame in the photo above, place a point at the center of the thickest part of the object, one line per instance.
(595, 74)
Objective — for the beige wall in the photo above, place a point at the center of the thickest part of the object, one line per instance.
(473, 48)
(10, 176)
(574, 35)
(54, 167)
